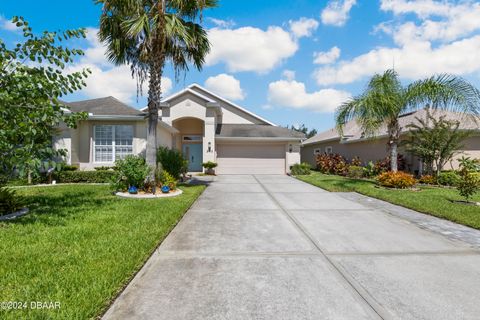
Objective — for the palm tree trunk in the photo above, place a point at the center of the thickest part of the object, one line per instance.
(394, 156)
(394, 136)
(154, 97)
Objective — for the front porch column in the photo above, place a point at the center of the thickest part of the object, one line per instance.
(209, 140)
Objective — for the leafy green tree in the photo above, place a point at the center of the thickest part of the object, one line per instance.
(435, 140)
(32, 79)
(146, 34)
(385, 99)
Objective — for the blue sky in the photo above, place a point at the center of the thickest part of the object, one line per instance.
(291, 62)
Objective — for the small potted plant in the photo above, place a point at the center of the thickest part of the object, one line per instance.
(210, 167)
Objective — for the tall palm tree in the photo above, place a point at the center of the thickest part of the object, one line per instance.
(147, 34)
(385, 99)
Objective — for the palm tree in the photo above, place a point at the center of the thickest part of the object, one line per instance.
(385, 99)
(146, 34)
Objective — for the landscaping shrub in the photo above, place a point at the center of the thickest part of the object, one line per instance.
(301, 169)
(383, 165)
(210, 166)
(332, 164)
(104, 168)
(448, 178)
(469, 183)
(427, 179)
(369, 170)
(166, 179)
(68, 167)
(400, 180)
(132, 171)
(10, 201)
(83, 176)
(172, 161)
(355, 172)
(356, 161)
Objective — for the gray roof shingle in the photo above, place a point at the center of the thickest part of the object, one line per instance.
(255, 131)
(108, 106)
(353, 132)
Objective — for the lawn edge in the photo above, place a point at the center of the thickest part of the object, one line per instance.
(130, 279)
(396, 204)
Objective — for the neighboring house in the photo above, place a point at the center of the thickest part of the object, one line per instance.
(353, 143)
(203, 125)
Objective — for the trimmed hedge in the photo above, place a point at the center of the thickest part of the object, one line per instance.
(98, 176)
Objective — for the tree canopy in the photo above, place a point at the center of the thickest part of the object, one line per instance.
(32, 80)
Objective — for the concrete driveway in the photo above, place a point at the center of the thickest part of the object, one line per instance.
(272, 247)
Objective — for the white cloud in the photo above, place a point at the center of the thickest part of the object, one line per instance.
(7, 25)
(337, 12)
(222, 23)
(107, 79)
(326, 57)
(450, 21)
(289, 74)
(422, 8)
(303, 27)
(442, 38)
(225, 85)
(292, 94)
(412, 61)
(249, 48)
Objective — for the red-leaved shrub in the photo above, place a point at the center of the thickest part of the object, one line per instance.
(332, 164)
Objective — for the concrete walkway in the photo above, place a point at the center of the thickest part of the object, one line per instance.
(272, 247)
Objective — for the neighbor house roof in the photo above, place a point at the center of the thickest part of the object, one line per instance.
(108, 106)
(256, 131)
(352, 131)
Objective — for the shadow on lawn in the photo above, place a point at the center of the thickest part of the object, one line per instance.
(345, 184)
(55, 208)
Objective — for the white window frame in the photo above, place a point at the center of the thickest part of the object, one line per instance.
(329, 150)
(113, 142)
(317, 151)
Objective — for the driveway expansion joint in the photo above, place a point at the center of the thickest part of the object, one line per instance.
(361, 292)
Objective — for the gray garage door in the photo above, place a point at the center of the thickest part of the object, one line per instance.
(251, 159)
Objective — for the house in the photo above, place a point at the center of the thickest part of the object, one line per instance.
(203, 125)
(354, 143)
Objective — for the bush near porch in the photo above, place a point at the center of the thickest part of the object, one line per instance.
(79, 246)
(430, 199)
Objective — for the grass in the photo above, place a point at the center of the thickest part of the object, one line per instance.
(430, 200)
(80, 246)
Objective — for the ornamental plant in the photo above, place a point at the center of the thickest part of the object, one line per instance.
(469, 183)
(332, 164)
(300, 169)
(209, 165)
(398, 180)
(131, 171)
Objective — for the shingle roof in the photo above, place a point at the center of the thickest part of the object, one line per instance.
(255, 131)
(353, 132)
(104, 106)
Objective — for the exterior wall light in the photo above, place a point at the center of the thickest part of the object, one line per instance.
(209, 147)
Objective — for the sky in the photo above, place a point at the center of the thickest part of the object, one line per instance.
(292, 62)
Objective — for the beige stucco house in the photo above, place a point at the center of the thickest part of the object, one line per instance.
(353, 143)
(203, 125)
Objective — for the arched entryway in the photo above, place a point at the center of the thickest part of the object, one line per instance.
(190, 141)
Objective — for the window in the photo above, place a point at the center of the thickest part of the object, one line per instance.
(192, 138)
(317, 151)
(328, 150)
(112, 142)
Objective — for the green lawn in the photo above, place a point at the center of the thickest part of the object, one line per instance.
(430, 200)
(80, 246)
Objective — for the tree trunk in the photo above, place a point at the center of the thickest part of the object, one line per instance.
(394, 156)
(394, 136)
(154, 97)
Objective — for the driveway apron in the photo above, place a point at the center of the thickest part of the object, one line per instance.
(273, 247)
